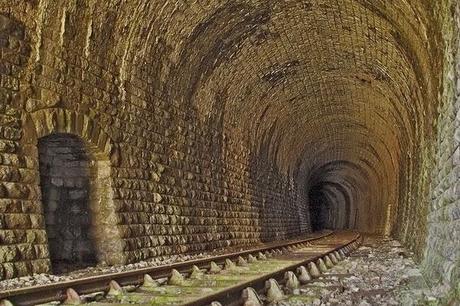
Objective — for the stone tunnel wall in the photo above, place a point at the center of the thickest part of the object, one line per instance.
(442, 253)
(179, 185)
(202, 109)
(23, 240)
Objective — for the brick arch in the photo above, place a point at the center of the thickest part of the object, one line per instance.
(103, 152)
(58, 120)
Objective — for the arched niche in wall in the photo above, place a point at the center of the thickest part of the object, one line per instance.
(75, 159)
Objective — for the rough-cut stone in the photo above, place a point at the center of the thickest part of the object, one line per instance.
(176, 278)
(229, 123)
(196, 273)
(72, 298)
(114, 289)
(251, 259)
(291, 281)
(273, 291)
(242, 262)
(321, 265)
(176, 184)
(313, 270)
(214, 268)
(328, 261)
(149, 282)
(250, 297)
(303, 275)
(230, 265)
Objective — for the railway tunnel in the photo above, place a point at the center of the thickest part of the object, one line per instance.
(201, 125)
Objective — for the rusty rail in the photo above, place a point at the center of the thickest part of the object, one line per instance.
(232, 296)
(57, 291)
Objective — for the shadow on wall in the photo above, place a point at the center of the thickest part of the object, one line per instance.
(319, 209)
(66, 174)
(75, 181)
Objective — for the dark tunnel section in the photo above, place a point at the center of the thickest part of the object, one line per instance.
(65, 168)
(332, 196)
(329, 206)
(319, 209)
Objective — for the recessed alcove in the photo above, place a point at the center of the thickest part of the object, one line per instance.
(66, 175)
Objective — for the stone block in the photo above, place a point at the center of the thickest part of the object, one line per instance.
(17, 221)
(9, 254)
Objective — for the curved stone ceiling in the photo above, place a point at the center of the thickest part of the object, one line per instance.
(341, 94)
(337, 92)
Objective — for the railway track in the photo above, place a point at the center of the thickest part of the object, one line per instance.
(250, 277)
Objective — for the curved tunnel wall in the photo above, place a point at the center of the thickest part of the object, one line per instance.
(221, 117)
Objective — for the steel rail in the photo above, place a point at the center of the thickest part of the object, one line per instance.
(28, 296)
(232, 296)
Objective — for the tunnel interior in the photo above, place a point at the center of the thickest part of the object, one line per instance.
(329, 206)
(65, 178)
(319, 209)
(230, 123)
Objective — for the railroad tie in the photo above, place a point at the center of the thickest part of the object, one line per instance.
(313, 269)
(273, 291)
(72, 297)
(251, 259)
(292, 283)
(196, 273)
(114, 289)
(6, 303)
(250, 297)
(321, 265)
(149, 282)
(176, 278)
(242, 262)
(214, 268)
(303, 275)
(328, 262)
